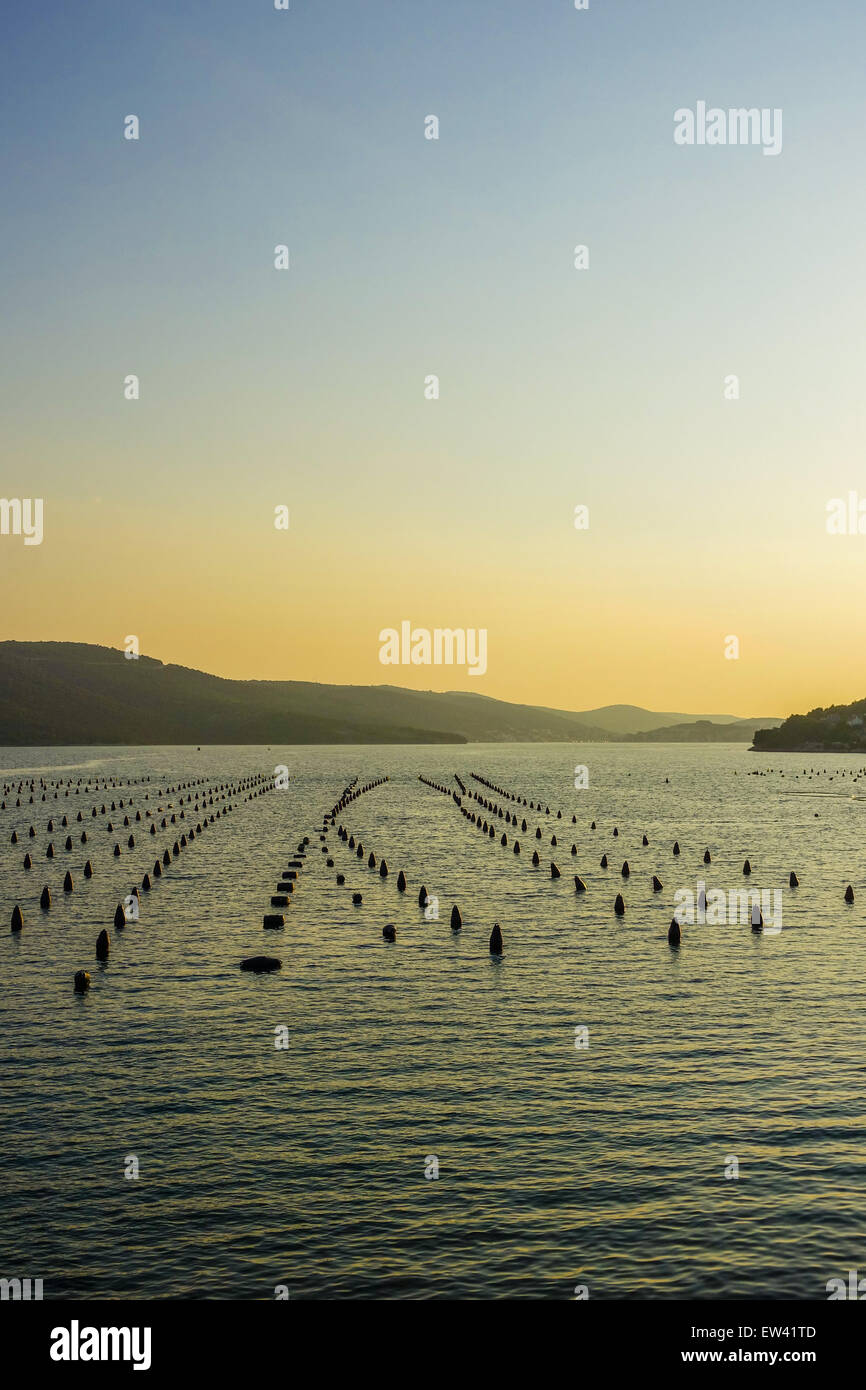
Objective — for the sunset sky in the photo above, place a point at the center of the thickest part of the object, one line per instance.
(411, 257)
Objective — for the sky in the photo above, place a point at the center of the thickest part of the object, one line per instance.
(411, 257)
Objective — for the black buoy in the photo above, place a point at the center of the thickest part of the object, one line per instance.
(371, 862)
(757, 919)
(535, 859)
(145, 882)
(456, 919)
(657, 884)
(579, 885)
(103, 945)
(357, 898)
(273, 921)
(389, 932)
(674, 932)
(554, 871)
(793, 881)
(496, 940)
(45, 899)
(422, 896)
(28, 862)
(341, 879)
(747, 868)
(401, 882)
(17, 919)
(604, 861)
(707, 859)
(81, 982)
(68, 884)
(676, 846)
(619, 906)
(625, 870)
(645, 840)
(849, 894)
(383, 869)
(119, 916)
(261, 964)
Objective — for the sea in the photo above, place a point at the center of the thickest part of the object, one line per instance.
(593, 1113)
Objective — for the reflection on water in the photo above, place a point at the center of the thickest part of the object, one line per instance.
(558, 1163)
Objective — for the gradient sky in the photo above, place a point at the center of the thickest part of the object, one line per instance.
(409, 257)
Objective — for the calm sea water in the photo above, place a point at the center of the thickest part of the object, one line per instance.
(305, 1165)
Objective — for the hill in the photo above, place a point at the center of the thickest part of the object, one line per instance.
(74, 693)
(838, 729)
(66, 693)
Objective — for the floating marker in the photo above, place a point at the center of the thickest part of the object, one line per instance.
(389, 932)
(456, 919)
(17, 919)
(81, 982)
(707, 859)
(103, 945)
(657, 884)
(619, 906)
(849, 894)
(579, 885)
(422, 896)
(496, 940)
(793, 881)
(401, 882)
(119, 916)
(45, 900)
(676, 846)
(261, 964)
(357, 898)
(68, 884)
(625, 870)
(747, 868)
(674, 932)
(272, 921)
(604, 861)
(554, 871)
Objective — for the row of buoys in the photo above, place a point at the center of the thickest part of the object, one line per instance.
(103, 942)
(69, 883)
